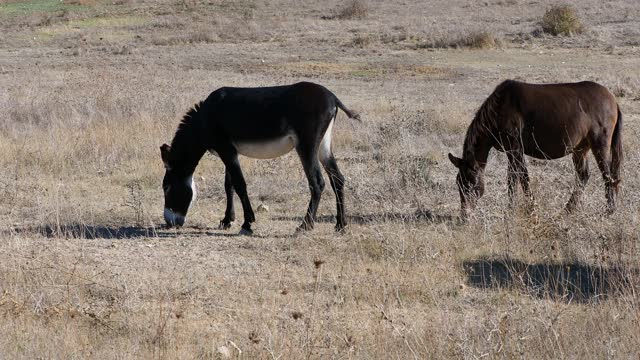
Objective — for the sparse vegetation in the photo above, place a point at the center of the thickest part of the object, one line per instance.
(88, 271)
(472, 40)
(562, 20)
(362, 40)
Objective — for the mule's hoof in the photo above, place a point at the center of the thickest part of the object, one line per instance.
(304, 227)
(571, 206)
(341, 228)
(245, 232)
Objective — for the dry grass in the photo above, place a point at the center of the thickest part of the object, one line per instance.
(562, 20)
(472, 40)
(86, 269)
(354, 9)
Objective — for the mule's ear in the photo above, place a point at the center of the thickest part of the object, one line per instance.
(457, 162)
(165, 150)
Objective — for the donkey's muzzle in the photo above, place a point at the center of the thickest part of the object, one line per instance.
(173, 218)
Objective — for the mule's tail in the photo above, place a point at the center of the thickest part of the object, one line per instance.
(351, 114)
(616, 149)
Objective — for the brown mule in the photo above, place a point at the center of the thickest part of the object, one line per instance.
(544, 122)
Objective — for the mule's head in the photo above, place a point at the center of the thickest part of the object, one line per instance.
(470, 183)
(178, 187)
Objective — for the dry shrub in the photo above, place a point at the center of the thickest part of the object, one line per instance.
(562, 20)
(355, 9)
(480, 40)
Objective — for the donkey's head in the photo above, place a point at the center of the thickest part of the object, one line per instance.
(179, 189)
(470, 183)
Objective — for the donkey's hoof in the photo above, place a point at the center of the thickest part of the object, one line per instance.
(225, 225)
(341, 228)
(245, 232)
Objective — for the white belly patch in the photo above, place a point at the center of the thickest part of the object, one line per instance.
(269, 149)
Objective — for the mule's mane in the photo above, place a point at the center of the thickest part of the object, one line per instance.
(484, 121)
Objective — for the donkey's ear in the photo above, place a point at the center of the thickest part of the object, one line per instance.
(457, 162)
(165, 150)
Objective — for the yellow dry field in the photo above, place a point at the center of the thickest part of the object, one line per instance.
(89, 90)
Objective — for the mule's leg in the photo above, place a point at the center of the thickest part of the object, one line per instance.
(511, 183)
(229, 214)
(517, 162)
(582, 177)
(312, 170)
(603, 158)
(237, 180)
(337, 184)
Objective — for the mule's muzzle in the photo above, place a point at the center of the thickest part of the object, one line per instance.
(467, 206)
(173, 218)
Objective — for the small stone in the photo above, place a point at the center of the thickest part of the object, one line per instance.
(262, 208)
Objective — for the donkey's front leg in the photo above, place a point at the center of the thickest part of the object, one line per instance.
(229, 214)
(237, 180)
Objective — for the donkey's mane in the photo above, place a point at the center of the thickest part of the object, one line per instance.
(184, 143)
(484, 120)
(186, 125)
(187, 119)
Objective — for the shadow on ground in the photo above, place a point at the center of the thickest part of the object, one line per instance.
(574, 282)
(91, 232)
(84, 231)
(362, 219)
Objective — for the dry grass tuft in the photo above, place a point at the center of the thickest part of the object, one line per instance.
(355, 9)
(480, 40)
(188, 4)
(362, 41)
(562, 20)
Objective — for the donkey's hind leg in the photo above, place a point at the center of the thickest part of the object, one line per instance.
(229, 214)
(603, 158)
(581, 165)
(337, 184)
(311, 165)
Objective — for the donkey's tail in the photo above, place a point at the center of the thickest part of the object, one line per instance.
(351, 114)
(616, 149)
